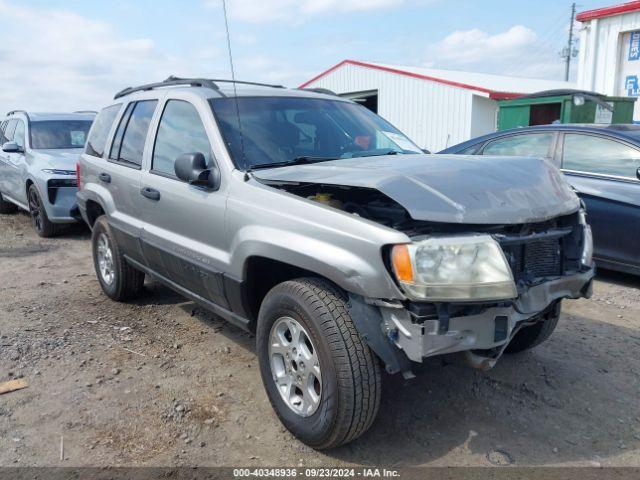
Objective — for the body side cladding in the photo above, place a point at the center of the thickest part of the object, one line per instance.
(229, 316)
(236, 293)
(130, 244)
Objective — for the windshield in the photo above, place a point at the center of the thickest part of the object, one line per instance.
(277, 130)
(58, 134)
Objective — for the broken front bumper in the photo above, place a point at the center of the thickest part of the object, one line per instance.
(487, 328)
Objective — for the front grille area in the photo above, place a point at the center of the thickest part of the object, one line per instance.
(535, 259)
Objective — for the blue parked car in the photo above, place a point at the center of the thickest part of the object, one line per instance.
(602, 162)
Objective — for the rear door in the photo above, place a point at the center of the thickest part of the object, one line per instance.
(604, 172)
(183, 236)
(114, 169)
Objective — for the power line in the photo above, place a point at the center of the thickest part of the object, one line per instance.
(569, 51)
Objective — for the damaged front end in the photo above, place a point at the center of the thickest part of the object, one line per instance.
(472, 282)
(547, 262)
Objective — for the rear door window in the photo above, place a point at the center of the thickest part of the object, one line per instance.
(603, 156)
(180, 131)
(100, 130)
(531, 145)
(128, 144)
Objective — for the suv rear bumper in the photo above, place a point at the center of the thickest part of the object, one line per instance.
(491, 326)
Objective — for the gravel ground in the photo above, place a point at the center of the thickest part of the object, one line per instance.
(161, 382)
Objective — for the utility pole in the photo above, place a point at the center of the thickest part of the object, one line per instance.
(569, 51)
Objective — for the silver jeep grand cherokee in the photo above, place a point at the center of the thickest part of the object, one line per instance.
(309, 220)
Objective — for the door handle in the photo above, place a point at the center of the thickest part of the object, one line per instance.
(105, 177)
(150, 193)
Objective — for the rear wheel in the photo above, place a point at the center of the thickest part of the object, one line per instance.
(534, 335)
(321, 378)
(119, 280)
(39, 219)
(7, 207)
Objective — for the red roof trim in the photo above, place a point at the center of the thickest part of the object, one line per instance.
(608, 11)
(492, 93)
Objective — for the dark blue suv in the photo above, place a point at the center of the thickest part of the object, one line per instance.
(602, 162)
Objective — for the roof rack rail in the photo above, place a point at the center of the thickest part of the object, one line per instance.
(24, 112)
(194, 82)
(325, 91)
(242, 82)
(86, 111)
(13, 112)
(170, 81)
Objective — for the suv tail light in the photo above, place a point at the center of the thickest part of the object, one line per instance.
(78, 176)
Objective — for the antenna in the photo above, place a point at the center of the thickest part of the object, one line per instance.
(233, 79)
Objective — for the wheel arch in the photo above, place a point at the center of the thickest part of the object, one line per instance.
(94, 209)
(261, 274)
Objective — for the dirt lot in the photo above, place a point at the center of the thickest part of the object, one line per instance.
(161, 382)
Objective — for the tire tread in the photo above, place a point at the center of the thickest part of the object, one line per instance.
(359, 377)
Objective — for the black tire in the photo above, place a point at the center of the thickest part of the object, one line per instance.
(351, 381)
(7, 207)
(535, 334)
(39, 219)
(127, 282)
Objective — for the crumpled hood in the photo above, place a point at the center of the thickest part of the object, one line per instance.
(449, 188)
(62, 159)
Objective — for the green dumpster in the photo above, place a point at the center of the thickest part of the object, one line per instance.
(564, 106)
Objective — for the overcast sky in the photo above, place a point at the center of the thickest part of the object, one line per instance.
(75, 54)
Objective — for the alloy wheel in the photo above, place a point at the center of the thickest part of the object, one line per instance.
(105, 259)
(35, 209)
(295, 367)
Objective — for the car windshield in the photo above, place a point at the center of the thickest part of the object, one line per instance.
(261, 131)
(58, 134)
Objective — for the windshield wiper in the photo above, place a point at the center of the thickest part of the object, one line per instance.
(377, 153)
(296, 161)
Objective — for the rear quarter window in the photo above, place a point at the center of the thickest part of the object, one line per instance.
(100, 131)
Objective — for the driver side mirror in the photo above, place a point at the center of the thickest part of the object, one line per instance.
(192, 168)
(11, 147)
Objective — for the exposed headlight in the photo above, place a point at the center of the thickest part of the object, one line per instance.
(56, 171)
(587, 247)
(465, 268)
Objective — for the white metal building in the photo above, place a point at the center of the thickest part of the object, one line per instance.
(436, 108)
(609, 60)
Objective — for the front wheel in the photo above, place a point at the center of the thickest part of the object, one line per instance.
(321, 378)
(39, 219)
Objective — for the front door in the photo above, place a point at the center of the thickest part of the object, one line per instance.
(183, 235)
(16, 173)
(603, 171)
(5, 158)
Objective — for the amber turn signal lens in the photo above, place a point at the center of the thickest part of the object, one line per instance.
(401, 261)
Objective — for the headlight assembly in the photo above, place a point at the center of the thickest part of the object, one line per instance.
(464, 268)
(587, 246)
